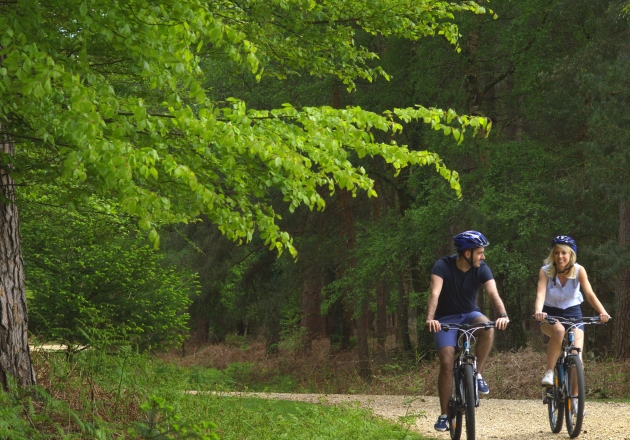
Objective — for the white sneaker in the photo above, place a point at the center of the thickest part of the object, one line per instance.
(547, 380)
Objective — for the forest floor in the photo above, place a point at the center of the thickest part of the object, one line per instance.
(496, 418)
(404, 389)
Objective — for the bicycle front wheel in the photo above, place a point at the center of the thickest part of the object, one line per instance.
(574, 403)
(555, 402)
(469, 393)
(454, 407)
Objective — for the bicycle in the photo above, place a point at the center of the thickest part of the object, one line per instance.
(568, 372)
(464, 396)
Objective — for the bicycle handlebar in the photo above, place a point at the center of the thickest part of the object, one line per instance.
(485, 325)
(562, 320)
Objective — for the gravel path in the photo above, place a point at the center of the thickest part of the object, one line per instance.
(496, 418)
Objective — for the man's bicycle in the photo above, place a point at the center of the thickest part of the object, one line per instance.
(465, 396)
(566, 396)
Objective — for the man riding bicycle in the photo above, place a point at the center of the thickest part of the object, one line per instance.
(455, 280)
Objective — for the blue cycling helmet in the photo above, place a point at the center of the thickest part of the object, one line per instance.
(469, 240)
(565, 239)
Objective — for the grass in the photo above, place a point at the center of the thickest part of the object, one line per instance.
(100, 395)
(128, 395)
(249, 418)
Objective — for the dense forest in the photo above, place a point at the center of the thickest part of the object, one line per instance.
(269, 181)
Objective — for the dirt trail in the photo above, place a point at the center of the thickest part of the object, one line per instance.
(496, 418)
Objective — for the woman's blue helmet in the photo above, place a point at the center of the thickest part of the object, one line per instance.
(565, 239)
(469, 240)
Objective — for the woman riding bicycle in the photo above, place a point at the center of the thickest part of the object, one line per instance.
(558, 294)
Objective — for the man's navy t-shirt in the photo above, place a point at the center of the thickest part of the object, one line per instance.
(459, 291)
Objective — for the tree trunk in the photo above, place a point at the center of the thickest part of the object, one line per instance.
(420, 283)
(311, 318)
(365, 370)
(273, 328)
(622, 315)
(381, 315)
(403, 311)
(474, 96)
(15, 358)
(381, 290)
(361, 322)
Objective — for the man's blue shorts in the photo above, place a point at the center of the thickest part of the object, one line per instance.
(449, 338)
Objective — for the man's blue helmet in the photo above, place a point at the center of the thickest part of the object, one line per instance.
(469, 240)
(565, 239)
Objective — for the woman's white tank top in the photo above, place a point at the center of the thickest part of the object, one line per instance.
(565, 296)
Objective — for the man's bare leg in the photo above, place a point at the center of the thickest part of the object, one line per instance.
(445, 381)
(485, 339)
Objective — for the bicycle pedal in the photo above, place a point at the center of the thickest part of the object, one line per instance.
(546, 395)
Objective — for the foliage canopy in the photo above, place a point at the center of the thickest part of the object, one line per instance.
(109, 98)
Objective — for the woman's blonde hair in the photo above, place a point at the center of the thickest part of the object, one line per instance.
(551, 270)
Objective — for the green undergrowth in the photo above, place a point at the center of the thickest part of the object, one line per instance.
(249, 418)
(240, 376)
(127, 395)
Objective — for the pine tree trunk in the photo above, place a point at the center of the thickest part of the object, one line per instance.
(381, 315)
(402, 310)
(15, 358)
(361, 322)
(381, 291)
(311, 303)
(365, 370)
(622, 315)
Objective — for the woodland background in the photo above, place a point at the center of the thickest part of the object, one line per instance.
(554, 79)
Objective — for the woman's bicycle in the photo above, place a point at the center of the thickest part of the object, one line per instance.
(465, 396)
(566, 396)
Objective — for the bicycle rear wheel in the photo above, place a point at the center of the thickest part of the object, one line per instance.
(469, 393)
(555, 403)
(454, 409)
(574, 403)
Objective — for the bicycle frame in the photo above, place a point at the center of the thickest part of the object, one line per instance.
(465, 341)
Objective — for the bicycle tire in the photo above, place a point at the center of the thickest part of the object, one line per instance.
(555, 403)
(469, 394)
(455, 409)
(574, 416)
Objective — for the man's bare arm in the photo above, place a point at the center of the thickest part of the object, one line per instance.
(497, 304)
(432, 301)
